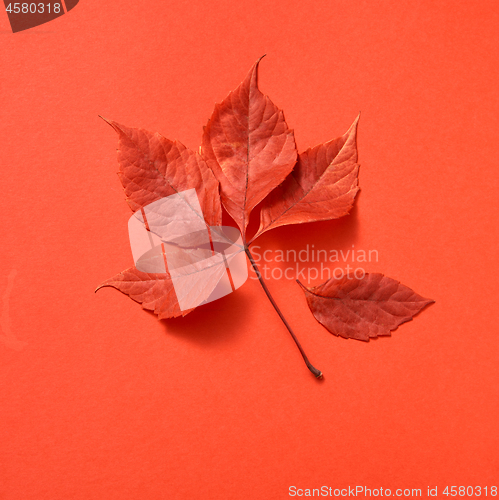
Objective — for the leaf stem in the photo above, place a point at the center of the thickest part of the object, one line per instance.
(317, 373)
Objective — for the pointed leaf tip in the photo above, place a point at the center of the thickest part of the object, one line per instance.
(249, 147)
(322, 185)
(153, 167)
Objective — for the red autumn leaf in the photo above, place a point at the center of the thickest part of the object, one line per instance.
(363, 308)
(154, 291)
(153, 167)
(322, 186)
(249, 147)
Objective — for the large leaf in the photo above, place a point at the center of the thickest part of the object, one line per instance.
(322, 186)
(152, 167)
(363, 308)
(248, 156)
(249, 147)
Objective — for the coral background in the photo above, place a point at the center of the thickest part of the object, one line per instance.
(100, 400)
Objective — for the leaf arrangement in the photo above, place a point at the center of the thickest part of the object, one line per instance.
(248, 156)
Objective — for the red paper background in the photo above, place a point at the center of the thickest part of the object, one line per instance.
(100, 400)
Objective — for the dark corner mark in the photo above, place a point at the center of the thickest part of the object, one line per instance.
(31, 13)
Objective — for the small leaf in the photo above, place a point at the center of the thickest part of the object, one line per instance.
(363, 308)
(249, 147)
(153, 167)
(154, 291)
(322, 186)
